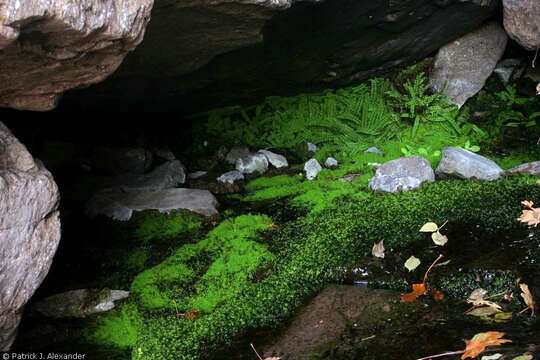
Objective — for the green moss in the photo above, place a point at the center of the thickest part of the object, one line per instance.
(314, 248)
(118, 328)
(159, 226)
(220, 264)
(136, 259)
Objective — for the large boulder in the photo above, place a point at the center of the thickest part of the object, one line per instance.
(403, 174)
(461, 163)
(29, 230)
(120, 205)
(223, 52)
(522, 22)
(462, 67)
(48, 47)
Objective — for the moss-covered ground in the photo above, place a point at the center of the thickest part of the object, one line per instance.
(250, 273)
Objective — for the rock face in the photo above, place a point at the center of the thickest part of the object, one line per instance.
(402, 174)
(79, 303)
(252, 163)
(48, 47)
(328, 316)
(29, 230)
(522, 22)
(223, 52)
(461, 163)
(121, 205)
(276, 160)
(462, 67)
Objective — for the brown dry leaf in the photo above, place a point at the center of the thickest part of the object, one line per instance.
(417, 291)
(378, 250)
(481, 341)
(477, 299)
(527, 297)
(531, 215)
(191, 314)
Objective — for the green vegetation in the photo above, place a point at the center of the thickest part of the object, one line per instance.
(300, 264)
(119, 328)
(158, 226)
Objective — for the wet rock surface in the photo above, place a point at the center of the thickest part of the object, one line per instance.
(462, 67)
(402, 174)
(48, 47)
(522, 22)
(29, 230)
(461, 163)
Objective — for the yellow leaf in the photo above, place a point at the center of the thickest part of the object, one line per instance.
(429, 227)
(378, 250)
(439, 239)
(525, 356)
(412, 263)
(481, 341)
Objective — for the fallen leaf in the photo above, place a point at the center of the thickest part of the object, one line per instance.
(477, 299)
(531, 215)
(417, 291)
(481, 341)
(437, 295)
(502, 317)
(525, 356)
(483, 312)
(439, 239)
(527, 297)
(492, 357)
(429, 227)
(378, 250)
(191, 314)
(412, 263)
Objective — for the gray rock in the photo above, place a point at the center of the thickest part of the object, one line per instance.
(462, 67)
(164, 154)
(326, 318)
(118, 161)
(236, 153)
(312, 149)
(29, 230)
(231, 177)
(374, 150)
(120, 205)
(197, 174)
(276, 160)
(252, 163)
(331, 163)
(349, 178)
(531, 168)
(166, 176)
(461, 163)
(506, 68)
(522, 22)
(79, 303)
(403, 174)
(76, 44)
(312, 169)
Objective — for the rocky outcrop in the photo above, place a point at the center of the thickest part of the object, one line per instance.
(48, 47)
(403, 174)
(462, 67)
(211, 53)
(522, 22)
(29, 230)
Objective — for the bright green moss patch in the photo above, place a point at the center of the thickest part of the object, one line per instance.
(313, 250)
(118, 328)
(159, 226)
(199, 276)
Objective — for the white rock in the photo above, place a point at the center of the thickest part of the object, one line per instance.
(277, 161)
(312, 169)
(231, 177)
(331, 162)
(311, 148)
(236, 153)
(252, 163)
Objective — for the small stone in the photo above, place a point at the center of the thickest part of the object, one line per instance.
(231, 177)
(236, 153)
(252, 163)
(531, 168)
(276, 160)
(331, 163)
(403, 174)
(464, 164)
(349, 177)
(374, 150)
(197, 175)
(312, 149)
(312, 169)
